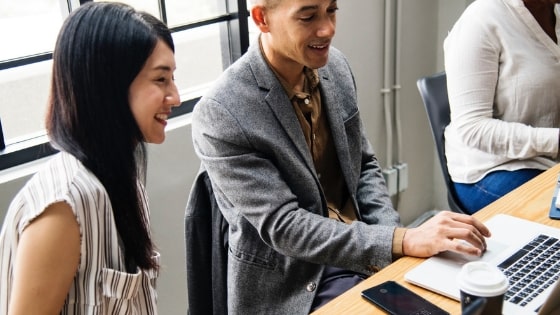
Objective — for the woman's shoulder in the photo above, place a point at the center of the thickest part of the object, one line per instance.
(65, 173)
(62, 178)
(489, 8)
(483, 19)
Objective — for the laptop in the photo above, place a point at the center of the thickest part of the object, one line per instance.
(510, 247)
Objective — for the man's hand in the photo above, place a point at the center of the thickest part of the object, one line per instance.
(446, 231)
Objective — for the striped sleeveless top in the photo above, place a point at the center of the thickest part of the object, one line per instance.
(101, 284)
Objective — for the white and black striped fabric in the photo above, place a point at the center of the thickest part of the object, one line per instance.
(101, 284)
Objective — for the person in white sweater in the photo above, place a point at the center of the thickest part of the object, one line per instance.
(502, 62)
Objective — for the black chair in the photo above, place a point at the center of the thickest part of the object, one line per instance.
(433, 90)
(206, 242)
(2, 143)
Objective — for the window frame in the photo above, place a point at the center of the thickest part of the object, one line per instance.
(234, 42)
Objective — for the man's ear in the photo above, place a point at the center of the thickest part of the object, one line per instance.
(258, 13)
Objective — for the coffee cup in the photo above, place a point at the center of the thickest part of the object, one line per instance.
(482, 287)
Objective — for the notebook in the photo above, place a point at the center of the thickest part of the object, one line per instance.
(511, 239)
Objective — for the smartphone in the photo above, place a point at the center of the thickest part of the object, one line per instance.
(395, 299)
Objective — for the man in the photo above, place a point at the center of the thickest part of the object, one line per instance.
(281, 139)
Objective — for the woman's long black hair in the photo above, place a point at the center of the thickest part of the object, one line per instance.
(99, 51)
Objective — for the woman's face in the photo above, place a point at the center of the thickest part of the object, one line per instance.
(153, 93)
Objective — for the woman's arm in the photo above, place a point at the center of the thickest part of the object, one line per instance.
(46, 262)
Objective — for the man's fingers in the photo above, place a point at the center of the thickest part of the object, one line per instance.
(447, 231)
(467, 248)
(468, 220)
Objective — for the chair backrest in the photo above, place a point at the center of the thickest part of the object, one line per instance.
(2, 143)
(206, 244)
(433, 90)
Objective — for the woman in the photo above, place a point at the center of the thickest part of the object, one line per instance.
(76, 238)
(503, 75)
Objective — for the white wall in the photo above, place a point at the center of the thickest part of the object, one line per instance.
(173, 165)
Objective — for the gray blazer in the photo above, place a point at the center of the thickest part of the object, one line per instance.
(249, 140)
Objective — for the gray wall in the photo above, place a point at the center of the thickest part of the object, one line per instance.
(173, 165)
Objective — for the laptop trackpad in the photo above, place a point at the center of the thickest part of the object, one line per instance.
(439, 272)
(494, 249)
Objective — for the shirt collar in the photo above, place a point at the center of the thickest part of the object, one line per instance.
(311, 76)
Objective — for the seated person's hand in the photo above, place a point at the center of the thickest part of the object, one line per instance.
(446, 230)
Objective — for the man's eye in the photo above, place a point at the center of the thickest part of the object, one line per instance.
(307, 18)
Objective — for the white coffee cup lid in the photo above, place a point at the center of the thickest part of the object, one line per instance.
(482, 279)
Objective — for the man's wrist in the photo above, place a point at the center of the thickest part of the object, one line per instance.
(398, 237)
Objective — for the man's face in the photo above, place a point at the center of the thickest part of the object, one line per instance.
(300, 32)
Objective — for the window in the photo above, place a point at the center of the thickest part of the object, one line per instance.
(209, 35)
(20, 34)
(181, 12)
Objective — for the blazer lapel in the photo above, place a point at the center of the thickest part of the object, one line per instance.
(277, 99)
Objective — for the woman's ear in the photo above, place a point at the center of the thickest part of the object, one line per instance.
(258, 13)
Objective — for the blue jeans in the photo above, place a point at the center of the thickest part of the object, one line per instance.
(474, 197)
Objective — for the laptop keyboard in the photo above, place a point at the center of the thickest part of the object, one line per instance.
(532, 269)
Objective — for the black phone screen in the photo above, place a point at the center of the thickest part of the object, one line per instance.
(398, 300)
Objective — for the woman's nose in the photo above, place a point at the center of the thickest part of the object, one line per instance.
(173, 97)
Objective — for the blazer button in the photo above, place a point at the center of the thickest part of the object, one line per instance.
(373, 269)
(311, 286)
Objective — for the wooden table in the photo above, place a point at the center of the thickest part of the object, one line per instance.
(531, 201)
